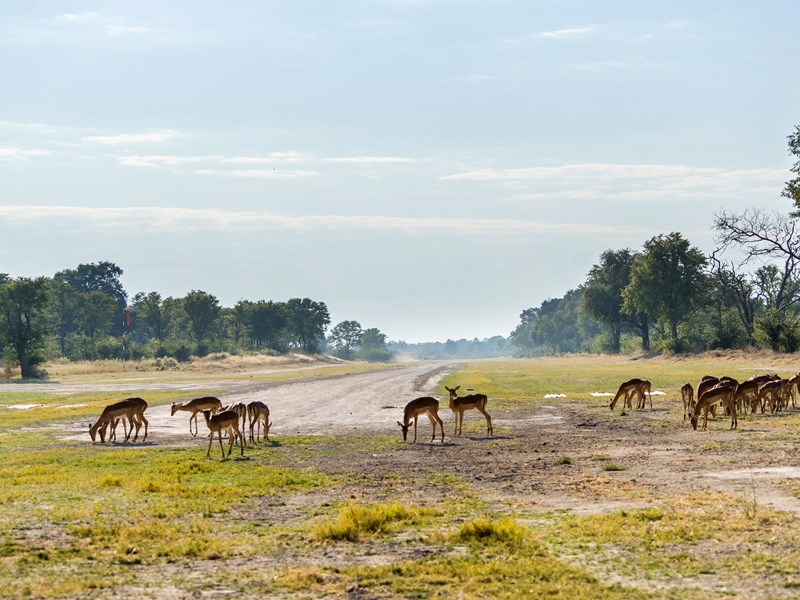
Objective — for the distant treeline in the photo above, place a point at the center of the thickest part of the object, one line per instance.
(84, 313)
(475, 348)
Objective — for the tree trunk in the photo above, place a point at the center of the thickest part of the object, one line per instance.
(615, 335)
(645, 335)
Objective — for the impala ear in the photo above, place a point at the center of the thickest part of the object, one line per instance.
(400, 424)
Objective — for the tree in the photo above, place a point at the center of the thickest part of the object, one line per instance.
(738, 291)
(792, 188)
(306, 323)
(23, 321)
(202, 310)
(151, 315)
(267, 323)
(96, 311)
(373, 346)
(345, 338)
(667, 281)
(601, 295)
(62, 311)
(99, 277)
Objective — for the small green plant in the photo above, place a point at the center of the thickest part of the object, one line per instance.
(613, 467)
(483, 529)
(565, 460)
(354, 521)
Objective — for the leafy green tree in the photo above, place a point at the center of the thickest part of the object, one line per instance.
(99, 277)
(267, 321)
(792, 188)
(372, 346)
(306, 323)
(667, 280)
(602, 293)
(95, 311)
(62, 309)
(150, 316)
(202, 310)
(345, 339)
(23, 321)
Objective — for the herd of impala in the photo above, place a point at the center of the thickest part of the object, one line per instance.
(758, 392)
(218, 419)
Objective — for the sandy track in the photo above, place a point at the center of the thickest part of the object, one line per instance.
(366, 402)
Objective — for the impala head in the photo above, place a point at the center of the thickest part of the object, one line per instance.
(94, 429)
(174, 408)
(693, 419)
(453, 391)
(405, 429)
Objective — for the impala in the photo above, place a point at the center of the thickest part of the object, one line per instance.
(195, 406)
(460, 404)
(131, 409)
(722, 394)
(687, 395)
(627, 390)
(240, 409)
(421, 406)
(228, 421)
(258, 412)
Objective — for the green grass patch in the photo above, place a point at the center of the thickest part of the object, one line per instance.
(356, 521)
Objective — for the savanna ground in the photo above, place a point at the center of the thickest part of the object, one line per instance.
(567, 499)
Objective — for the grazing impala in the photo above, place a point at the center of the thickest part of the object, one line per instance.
(722, 394)
(627, 390)
(195, 406)
(131, 409)
(460, 404)
(227, 421)
(240, 408)
(258, 412)
(421, 406)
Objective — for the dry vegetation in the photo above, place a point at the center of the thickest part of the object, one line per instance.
(567, 500)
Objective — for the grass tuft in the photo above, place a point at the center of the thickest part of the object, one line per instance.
(354, 521)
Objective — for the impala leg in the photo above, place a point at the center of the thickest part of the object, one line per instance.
(146, 423)
(415, 429)
(489, 428)
(210, 441)
(441, 426)
(221, 447)
(433, 422)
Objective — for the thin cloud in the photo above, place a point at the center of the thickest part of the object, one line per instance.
(625, 182)
(568, 32)
(153, 137)
(20, 154)
(164, 219)
(370, 160)
(260, 173)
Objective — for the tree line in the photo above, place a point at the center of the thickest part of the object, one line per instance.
(85, 314)
(671, 297)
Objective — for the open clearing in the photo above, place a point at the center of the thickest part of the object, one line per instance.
(567, 499)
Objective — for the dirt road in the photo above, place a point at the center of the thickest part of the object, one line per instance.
(367, 402)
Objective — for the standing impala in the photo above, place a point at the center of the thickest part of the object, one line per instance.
(195, 406)
(460, 404)
(227, 421)
(421, 406)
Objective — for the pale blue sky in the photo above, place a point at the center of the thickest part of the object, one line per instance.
(430, 168)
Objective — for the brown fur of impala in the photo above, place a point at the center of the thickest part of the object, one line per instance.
(227, 421)
(195, 406)
(461, 404)
(258, 413)
(627, 390)
(421, 406)
(131, 409)
(687, 396)
(722, 393)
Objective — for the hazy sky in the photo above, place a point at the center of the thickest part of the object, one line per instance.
(427, 167)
